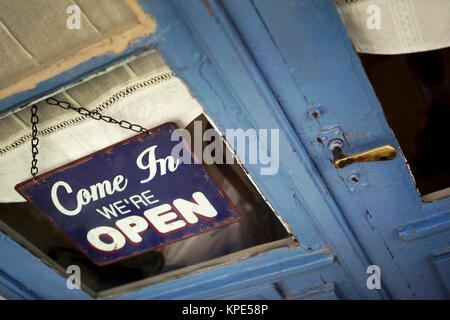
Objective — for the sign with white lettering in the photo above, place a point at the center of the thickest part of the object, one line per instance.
(132, 197)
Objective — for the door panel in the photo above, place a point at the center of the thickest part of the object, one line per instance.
(258, 103)
(316, 69)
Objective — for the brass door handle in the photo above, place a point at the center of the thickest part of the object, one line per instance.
(341, 160)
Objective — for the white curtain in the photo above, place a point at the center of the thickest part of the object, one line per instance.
(396, 26)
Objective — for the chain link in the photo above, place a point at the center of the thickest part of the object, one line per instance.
(34, 140)
(84, 112)
(96, 115)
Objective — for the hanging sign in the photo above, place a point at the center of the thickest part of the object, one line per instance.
(132, 197)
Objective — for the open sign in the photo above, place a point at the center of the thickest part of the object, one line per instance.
(132, 197)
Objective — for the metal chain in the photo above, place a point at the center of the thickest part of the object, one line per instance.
(84, 112)
(96, 115)
(34, 140)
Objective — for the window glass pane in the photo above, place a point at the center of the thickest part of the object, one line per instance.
(414, 91)
(162, 98)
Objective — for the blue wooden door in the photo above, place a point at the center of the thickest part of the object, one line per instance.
(321, 87)
(285, 65)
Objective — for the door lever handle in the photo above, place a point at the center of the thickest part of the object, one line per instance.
(342, 160)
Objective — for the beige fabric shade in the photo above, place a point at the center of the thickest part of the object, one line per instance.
(38, 42)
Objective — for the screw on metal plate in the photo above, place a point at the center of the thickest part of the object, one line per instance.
(356, 182)
(315, 112)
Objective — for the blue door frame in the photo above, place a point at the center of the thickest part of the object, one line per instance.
(268, 64)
